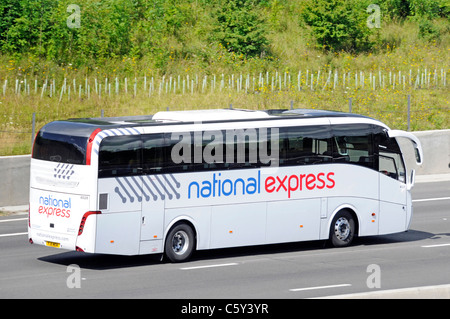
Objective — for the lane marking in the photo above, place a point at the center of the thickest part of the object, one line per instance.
(433, 246)
(14, 234)
(12, 220)
(430, 199)
(209, 266)
(425, 292)
(320, 287)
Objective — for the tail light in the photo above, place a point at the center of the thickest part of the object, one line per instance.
(84, 218)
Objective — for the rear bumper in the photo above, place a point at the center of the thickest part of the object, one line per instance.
(46, 238)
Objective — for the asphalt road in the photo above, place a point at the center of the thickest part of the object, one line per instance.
(417, 258)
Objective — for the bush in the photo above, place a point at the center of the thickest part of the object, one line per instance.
(428, 31)
(338, 25)
(401, 9)
(239, 28)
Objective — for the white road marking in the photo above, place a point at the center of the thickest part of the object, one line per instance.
(320, 287)
(209, 266)
(12, 220)
(430, 199)
(426, 292)
(14, 234)
(433, 246)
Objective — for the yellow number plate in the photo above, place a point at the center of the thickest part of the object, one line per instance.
(52, 244)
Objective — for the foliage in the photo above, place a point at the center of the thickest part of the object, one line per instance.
(402, 9)
(164, 32)
(338, 25)
(239, 28)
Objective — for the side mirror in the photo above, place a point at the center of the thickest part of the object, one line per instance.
(415, 141)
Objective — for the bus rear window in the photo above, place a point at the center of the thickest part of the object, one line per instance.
(60, 148)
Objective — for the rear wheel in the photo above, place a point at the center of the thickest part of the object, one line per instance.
(180, 243)
(342, 229)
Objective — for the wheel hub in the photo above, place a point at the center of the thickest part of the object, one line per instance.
(342, 228)
(180, 242)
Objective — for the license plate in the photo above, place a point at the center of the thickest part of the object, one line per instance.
(52, 244)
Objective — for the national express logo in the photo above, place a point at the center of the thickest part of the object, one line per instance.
(218, 185)
(53, 206)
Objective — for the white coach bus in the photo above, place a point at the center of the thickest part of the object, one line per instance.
(171, 184)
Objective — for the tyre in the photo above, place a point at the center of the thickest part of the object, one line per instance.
(342, 229)
(180, 243)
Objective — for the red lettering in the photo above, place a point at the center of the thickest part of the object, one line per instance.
(281, 183)
(320, 180)
(269, 184)
(55, 211)
(331, 180)
(290, 188)
(310, 179)
(302, 176)
(292, 183)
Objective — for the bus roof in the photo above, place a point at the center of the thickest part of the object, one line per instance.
(209, 115)
(217, 115)
(85, 126)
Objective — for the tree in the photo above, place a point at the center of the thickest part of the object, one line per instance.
(239, 28)
(338, 25)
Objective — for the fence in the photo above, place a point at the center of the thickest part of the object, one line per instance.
(23, 139)
(30, 103)
(262, 82)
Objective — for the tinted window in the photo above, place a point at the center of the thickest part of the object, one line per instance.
(305, 145)
(221, 149)
(354, 144)
(390, 161)
(120, 156)
(179, 157)
(154, 151)
(60, 148)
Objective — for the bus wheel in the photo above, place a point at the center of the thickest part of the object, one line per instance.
(180, 243)
(342, 229)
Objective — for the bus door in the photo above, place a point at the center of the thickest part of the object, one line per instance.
(156, 189)
(119, 195)
(395, 199)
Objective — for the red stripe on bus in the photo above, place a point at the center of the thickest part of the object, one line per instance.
(89, 145)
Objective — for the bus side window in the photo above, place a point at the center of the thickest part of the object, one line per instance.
(120, 156)
(354, 144)
(304, 145)
(153, 153)
(390, 161)
(179, 150)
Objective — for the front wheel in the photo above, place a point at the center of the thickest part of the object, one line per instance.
(342, 229)
(180, 243)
